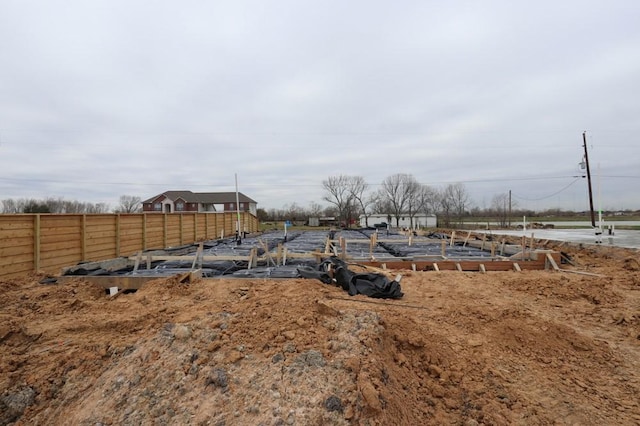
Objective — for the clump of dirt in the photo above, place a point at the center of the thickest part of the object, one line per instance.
(533, 347)
(631, 264)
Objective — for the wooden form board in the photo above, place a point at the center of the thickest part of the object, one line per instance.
(121, 283)
(480, 264)
(49, 242)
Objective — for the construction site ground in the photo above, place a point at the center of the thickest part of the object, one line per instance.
(500, 348)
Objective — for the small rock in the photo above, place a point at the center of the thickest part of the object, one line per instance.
(234, 356)
(333, 403)
(352, 364)
(218, 378)
(325, 309)
(370, 396)
(434, 370)
(182, 332)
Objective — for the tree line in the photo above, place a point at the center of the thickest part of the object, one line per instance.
(127, 204)
(401, 195)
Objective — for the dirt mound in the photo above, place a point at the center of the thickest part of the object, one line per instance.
(459, 348)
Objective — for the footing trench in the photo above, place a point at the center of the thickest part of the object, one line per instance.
(276, 255)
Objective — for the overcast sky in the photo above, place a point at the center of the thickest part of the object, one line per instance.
(104, 98)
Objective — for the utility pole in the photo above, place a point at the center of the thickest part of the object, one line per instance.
(586, 160)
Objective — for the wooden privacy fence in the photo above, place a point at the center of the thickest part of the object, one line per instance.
(49, 242)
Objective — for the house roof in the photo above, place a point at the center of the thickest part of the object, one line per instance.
(203, 197)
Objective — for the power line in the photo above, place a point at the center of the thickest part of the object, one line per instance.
(547, 196)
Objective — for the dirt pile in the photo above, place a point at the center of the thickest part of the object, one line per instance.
(459, 348)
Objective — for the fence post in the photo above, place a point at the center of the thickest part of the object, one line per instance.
(117, 234)
(83, 236)
(181, 228)
(144, 231)
(36, 243)
(164, 236)
(195, 227)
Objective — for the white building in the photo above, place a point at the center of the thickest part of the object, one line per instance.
(419, 221)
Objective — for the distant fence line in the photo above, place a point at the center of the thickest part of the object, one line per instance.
(49, 242)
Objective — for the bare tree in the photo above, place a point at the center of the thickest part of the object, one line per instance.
(315, 209)
(10, 206)
(97, 208)
(454, 200)
(429, 199)
(339, 194)
(358, 189)
(129, 204)
(399, 192)
(294, 212)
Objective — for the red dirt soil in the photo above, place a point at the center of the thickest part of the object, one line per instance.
(530, 348)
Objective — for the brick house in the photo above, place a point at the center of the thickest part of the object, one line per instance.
(200, 202)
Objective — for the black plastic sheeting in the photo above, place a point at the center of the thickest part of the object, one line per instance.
(295, 242)
(370, 284)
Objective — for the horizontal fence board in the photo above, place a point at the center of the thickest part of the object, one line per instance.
(16, 250)
(16, 233)
(62, 252)
(101, 255)
(11, 222)
(16, 268)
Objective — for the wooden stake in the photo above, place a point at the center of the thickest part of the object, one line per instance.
(466, 239)
(552, 262)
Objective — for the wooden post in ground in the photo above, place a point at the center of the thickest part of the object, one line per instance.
(181, 228)
(144, 231)
(253, 258)
(83, 231)
(117, 235)
(524, 246)
(164, 235)
(453, 237)
(443, 248)
(466, 239)
(531, 244)
(36, 242)
(195, 227)
(550, 261)
(372, 244)
(484, 238)
(206, 226)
